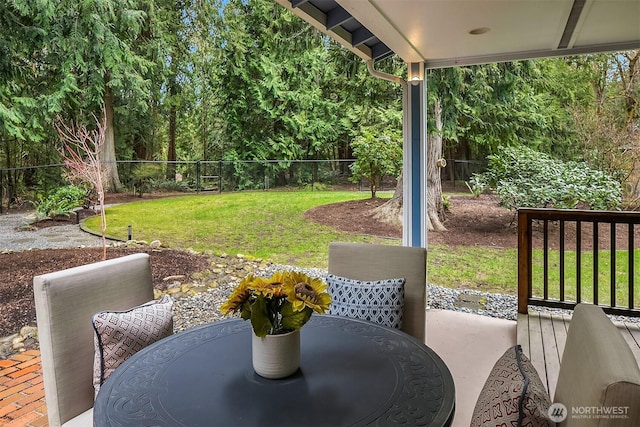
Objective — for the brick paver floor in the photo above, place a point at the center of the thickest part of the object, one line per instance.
(22, 392)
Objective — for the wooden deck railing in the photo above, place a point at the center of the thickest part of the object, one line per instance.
(606, 229)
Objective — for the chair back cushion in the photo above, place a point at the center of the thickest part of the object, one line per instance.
(598, 370)
(369, 262)
(65, 302)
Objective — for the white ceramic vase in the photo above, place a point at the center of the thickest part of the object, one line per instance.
(276, 356)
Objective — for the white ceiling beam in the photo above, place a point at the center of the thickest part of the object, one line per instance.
(518, 56)
(369, 15)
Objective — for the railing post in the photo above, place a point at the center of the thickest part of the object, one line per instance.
(219, 176)
(1, 189)
(524, 261)
(595, 250)
(578, 261)
(631, 263)
(198, 188)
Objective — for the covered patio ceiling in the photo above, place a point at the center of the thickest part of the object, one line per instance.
(444, 33)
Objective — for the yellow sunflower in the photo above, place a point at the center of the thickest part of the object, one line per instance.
(283, 302)
(269, 288)
(290, 279)
(238, 297)
(307, 292)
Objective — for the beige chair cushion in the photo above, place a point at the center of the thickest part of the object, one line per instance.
(361, 261)
(85, 419)
(65, 301)
(598, 370)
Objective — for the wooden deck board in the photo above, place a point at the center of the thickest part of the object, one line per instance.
(536, 347)
(551, 352)
(522, 332)
(560, 329)
(543, 337)
(634, 329)
(631, 334)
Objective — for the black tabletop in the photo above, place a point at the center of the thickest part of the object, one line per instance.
(351, 373)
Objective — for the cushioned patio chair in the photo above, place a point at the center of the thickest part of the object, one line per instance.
(65, 302)
(369, 262)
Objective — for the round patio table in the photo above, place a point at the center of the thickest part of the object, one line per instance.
(351, 373)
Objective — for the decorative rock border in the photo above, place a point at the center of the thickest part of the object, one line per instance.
(24, 340)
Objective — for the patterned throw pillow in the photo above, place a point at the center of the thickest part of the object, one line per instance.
(380, 301)
(120, 334)
(513, 395)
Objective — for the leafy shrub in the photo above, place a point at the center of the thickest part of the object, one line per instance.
(61, 202)
(476, 190)
(170, 185)
(316, 186)
(328, 175)
(240, 175)
(522, 177)
(446, 202)
(376, 157)
(143, 177)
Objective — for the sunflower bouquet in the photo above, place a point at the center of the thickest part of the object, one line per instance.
(279, 304)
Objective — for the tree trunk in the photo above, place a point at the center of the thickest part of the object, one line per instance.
(630, 90)
(632, 105)
(374, 181)
(435, 209)
(391, 211)
(171, 150)
(108, 152)
(203, 127)
(11, 183)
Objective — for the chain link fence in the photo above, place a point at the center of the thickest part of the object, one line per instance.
(21, 186)
(457, 172)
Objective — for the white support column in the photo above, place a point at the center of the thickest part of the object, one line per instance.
(414, 231)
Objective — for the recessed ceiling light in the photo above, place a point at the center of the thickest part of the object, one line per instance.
(478, 31)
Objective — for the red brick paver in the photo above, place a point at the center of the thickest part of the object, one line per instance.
(22, 392)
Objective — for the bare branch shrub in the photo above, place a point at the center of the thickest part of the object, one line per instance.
(80, 150)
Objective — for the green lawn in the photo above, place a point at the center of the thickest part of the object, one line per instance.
(268, 225)
(484, 269)
(587, 275)
(271, 225)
